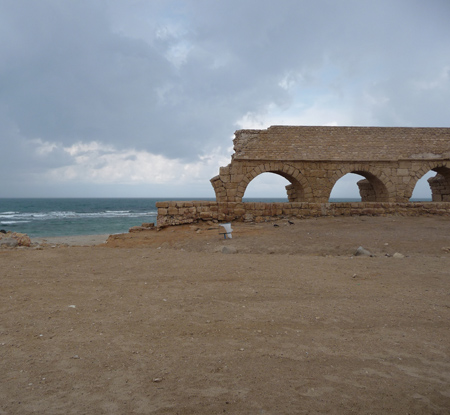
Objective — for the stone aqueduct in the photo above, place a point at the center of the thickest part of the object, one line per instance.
(313, 159)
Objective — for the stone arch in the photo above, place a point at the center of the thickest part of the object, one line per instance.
(375, 187)
(298, 190)
(439, 184)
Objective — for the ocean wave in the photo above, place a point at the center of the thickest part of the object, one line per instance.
(35, 216)
(13, 222)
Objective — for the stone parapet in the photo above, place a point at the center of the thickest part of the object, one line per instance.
(178, 213)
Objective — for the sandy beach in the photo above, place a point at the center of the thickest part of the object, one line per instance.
(76, 240)
(280, 319)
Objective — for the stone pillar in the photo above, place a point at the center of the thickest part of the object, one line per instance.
(291, 193)
(366, 191)
(440, 188)
(295, 192)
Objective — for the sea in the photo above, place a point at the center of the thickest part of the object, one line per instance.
(89, 216)
(68, 217)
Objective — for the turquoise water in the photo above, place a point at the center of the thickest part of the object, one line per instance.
(67, 217)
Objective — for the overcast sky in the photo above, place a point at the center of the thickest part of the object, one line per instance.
(141, 98)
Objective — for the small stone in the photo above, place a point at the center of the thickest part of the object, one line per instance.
(157, 380)
(229, 250)
(362, 252)
(398, 255)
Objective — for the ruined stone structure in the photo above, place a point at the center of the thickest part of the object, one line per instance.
(313, 159)
(180, 212)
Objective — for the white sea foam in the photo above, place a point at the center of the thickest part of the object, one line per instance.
(31, 216)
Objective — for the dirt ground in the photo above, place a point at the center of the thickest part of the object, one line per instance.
(278, 320)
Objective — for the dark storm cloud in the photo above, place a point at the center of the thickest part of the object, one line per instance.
(67, 77)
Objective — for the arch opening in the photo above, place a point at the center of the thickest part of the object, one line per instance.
(346, 189)
(369, 188)
(438, 180)
(266, 186)
(422, 189)
(270, 184)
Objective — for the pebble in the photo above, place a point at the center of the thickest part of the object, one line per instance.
(363, 252)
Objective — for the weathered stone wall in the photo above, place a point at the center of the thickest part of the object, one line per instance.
(179, 212)
(318, 143)
(313, 159)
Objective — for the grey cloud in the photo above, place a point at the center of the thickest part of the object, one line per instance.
(94, 70)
